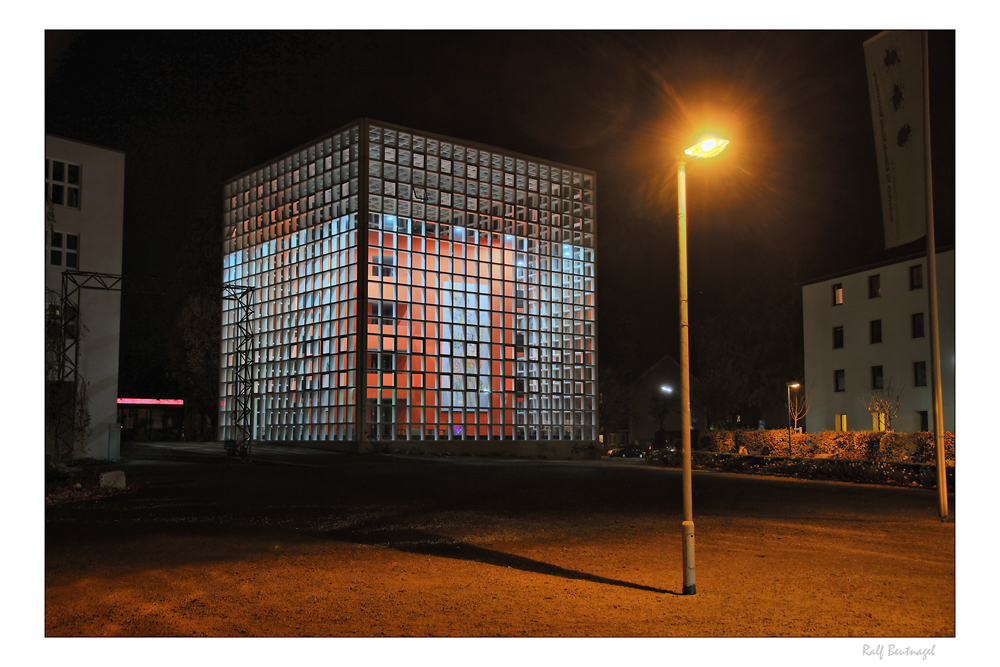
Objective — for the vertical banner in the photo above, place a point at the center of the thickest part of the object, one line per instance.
(894, 60)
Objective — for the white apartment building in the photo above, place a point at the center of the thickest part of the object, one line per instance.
(84, 199)
(871, 328)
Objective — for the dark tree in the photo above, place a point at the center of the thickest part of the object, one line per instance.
(744, 354)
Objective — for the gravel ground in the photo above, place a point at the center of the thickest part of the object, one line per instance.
(309, 544)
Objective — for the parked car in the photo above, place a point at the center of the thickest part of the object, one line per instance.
(629, 452)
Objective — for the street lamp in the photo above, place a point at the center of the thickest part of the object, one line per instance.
(706, 148)
(790, 385)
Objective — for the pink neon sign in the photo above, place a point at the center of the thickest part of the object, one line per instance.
(150, 401)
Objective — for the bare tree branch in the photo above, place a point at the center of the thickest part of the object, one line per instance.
(798, 407)
(884, 400)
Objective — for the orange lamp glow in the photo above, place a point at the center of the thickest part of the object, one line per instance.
(706, 148)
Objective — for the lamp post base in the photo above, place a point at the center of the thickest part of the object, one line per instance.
(688, 531)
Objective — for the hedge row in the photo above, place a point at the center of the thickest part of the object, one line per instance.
(852, 445)
(845, 470)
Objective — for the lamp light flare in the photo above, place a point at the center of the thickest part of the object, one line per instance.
(706, 148)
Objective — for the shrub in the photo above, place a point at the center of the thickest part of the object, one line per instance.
(848, 445)
(665, 457)
(716, 441)
(828, 442)
(845, 470)
(854, 445)
(777, 441)
(924, 447)
(754, 441)
(705, 442)
(892, 446)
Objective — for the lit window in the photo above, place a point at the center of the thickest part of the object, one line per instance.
(875, 331)
(916, 276)
(62, 183)
(64, 250)
(874, 286)
(919, 373)
(838, 294)
(917, 325)
(840, 422)
(878, 421)
(838, 337)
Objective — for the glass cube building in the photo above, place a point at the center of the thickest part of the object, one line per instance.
(412, 287)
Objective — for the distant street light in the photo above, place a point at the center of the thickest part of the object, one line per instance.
(666, 389)
(790, 385)
(706, 148)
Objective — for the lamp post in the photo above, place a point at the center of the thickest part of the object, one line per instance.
(790, 385)
(706, 148)
(669, 391)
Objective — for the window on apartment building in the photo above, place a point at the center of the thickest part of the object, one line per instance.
(924, 422)
(919, 373)
(875, 331)
(877, 377)
(874, 286)
(838, 294)
(878, 421)
(62, 183)
(840, 422)
(838, 380)
(838, 337)
(917, 325)
(916, 276)
(64, 250)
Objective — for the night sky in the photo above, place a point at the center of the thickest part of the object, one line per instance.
(795, 197)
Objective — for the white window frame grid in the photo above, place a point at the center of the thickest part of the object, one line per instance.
(51, 182)
(548, 345)
(63, 249)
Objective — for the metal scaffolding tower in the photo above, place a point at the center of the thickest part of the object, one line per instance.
(244, 350)
(69, 303)
(67, 362)
(68, 357)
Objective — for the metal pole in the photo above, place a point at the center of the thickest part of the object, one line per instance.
(932, 296)
(687, 526)
(789, 387)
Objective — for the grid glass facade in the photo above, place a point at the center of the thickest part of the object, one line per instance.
(414, 287)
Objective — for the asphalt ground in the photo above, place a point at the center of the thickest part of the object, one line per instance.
(404, 546)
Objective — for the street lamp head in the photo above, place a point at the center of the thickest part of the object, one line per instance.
(666, 389)
(706, 148)
(792, 385)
